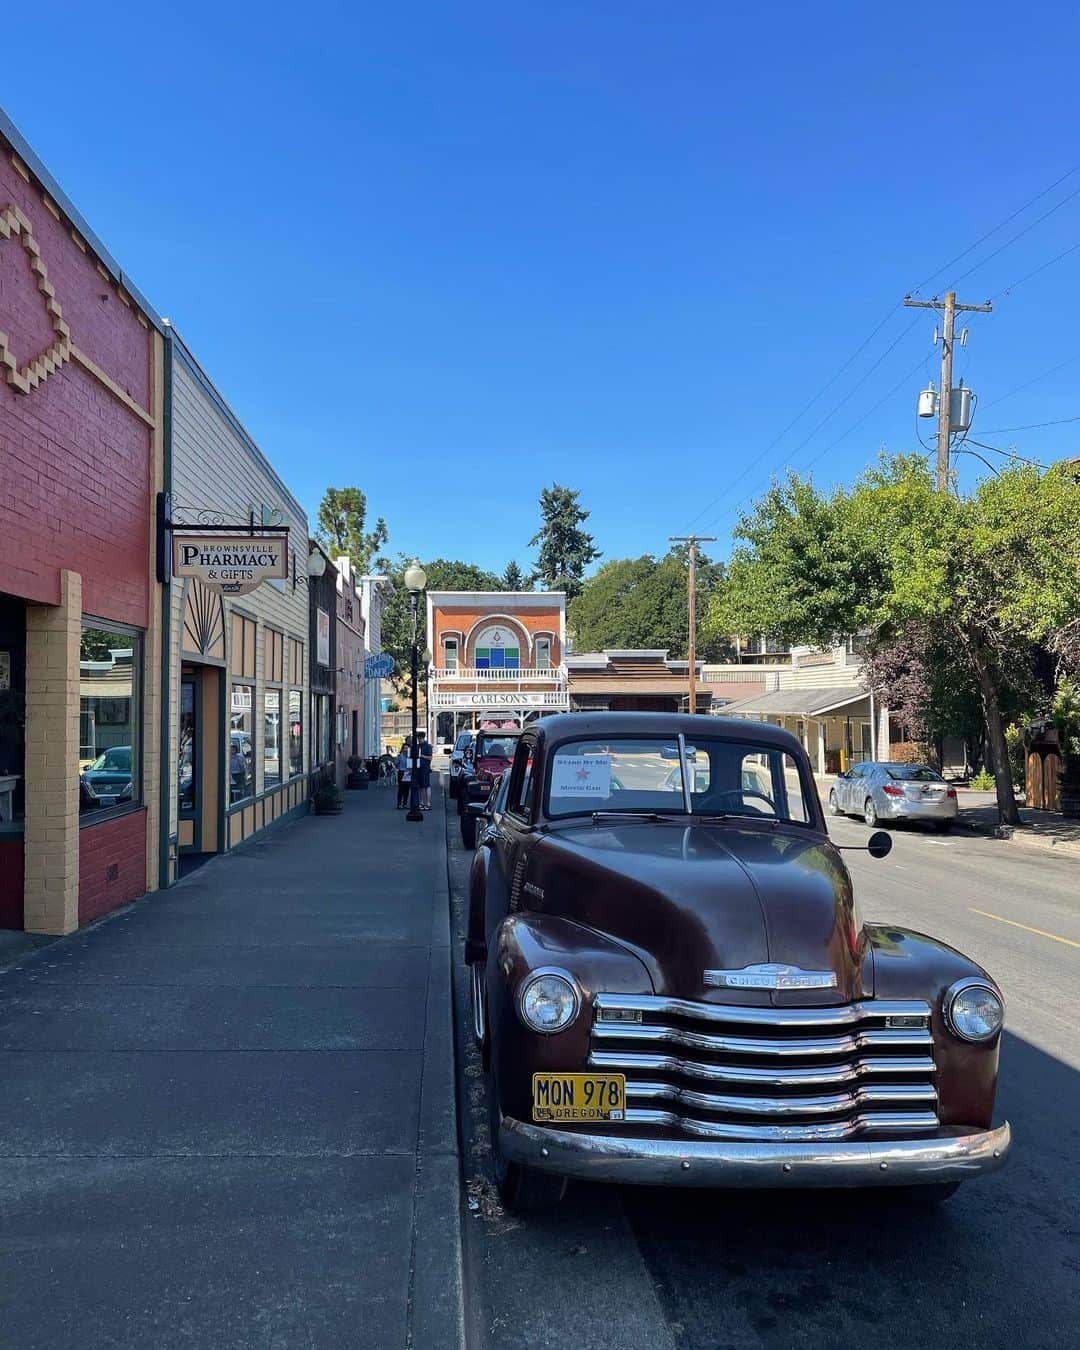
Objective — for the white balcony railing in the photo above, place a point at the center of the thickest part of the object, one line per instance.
(503, 675)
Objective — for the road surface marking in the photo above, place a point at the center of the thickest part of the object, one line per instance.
(1026, 927)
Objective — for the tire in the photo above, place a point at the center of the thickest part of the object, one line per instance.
(523, 1190)
(462, 798)
(945, 826)
(451, 787)
(869, 812)
(834, 805)
(468, 830)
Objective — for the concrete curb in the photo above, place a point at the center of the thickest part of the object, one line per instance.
(437, 1295)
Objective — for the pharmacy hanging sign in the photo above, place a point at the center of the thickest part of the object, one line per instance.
(232, 563)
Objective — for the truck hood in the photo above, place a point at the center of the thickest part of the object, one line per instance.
(691, 898)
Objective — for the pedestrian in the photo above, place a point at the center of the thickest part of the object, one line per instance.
(426, 752)
(404, 777)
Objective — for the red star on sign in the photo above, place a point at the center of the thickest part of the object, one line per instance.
(583, 775)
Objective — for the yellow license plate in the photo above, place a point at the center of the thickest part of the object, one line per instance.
(579, 1096)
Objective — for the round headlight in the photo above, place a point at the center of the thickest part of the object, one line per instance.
(549, 1002)
(973, 1011)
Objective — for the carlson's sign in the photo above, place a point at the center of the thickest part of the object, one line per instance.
(234, 564)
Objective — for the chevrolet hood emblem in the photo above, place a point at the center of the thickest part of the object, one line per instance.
(770, 975)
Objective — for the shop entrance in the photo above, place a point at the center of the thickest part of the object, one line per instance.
(199, 762)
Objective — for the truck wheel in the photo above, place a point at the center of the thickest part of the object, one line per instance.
(451, 787)
(523, 1190)
(462, 798)
(468, 830)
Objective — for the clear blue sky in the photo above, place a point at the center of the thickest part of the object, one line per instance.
(453, 251)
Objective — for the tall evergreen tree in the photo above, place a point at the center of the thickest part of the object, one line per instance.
(565, 549)
(514, 579)
(341, 527)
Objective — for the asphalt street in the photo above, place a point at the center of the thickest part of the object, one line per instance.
(998, 1265)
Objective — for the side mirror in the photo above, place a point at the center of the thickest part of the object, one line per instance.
(879, 845)
(447, 749)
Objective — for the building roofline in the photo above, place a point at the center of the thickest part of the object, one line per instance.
(523, 599)
(26, 153)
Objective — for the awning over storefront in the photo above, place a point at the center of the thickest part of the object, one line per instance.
(838, 700)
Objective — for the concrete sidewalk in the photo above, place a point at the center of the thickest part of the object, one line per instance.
(227, 1112)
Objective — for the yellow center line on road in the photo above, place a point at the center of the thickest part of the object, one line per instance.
(1026, 927)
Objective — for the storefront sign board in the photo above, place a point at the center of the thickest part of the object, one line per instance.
(233, 564)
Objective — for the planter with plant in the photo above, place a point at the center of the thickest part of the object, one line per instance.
(1066, 713)
(358, 773)
(329, 800)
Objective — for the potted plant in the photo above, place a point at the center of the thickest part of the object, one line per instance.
(358, 773)
(329, 800)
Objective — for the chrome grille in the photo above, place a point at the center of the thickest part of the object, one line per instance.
(727, 1072)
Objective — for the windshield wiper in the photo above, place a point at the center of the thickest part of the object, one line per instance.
(630, 815)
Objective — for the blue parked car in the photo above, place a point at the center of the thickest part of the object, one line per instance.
(107, 782)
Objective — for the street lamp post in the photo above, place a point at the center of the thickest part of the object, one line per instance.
(415, 581)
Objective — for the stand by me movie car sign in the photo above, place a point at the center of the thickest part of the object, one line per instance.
(233, 564)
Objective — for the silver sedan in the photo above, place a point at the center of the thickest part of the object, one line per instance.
(881, 792)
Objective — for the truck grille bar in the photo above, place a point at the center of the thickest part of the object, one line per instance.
(862, 1068)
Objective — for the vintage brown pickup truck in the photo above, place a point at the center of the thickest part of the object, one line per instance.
(672, 983)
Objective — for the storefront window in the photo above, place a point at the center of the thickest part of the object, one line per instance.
(187, 747)
(272, 738)
(296, 733)
(320, 729)
(110, 665)
(241, 745)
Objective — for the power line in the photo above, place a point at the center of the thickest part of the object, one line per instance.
(1009, 454)
(1019, 235)
(1056, 258)
(800, 415)
(1035, 379)
(1029, 426)
(999, 226)
(832, 445)
(983, 458)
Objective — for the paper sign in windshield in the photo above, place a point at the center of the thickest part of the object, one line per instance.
(581, 776)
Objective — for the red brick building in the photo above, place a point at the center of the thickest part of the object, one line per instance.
(80, 464)
(350, 670)
(500, 653)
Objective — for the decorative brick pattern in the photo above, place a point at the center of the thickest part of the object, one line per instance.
(14, 224)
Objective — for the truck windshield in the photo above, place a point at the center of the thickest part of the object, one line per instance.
(490, 745)
(722, 778)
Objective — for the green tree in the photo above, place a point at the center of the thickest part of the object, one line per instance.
(565, 549)
(990, 574)
(443, 574)
(642, 602)
(341, 527)
(514, 579)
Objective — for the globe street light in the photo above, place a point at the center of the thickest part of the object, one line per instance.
(415, 581)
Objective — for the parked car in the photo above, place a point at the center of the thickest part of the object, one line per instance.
(487, 758)
(461, 747)
(108, 782)
(680, 990)
(882, 792)
(485, 815)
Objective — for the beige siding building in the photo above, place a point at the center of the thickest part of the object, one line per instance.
(236, 682)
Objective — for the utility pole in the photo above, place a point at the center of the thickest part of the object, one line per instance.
(693, 540)
(950, 309)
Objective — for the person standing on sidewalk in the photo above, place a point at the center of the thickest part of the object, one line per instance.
(404, 775)
(426, 751)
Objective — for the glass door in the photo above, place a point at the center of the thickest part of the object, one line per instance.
(188, 762)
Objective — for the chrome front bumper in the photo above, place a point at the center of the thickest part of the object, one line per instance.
(669, 1162)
